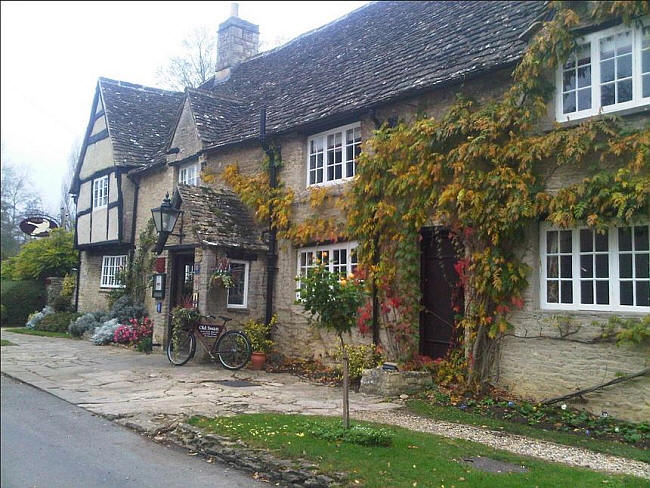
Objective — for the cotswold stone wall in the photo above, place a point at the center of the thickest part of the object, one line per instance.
(92, 298)
(538, 368)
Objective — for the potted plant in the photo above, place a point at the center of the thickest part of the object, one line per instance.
(259, 335)
(222, 274)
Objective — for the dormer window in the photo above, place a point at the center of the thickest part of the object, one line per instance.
(189, 174)
(100, 192)
(332, 155)
(608, 72)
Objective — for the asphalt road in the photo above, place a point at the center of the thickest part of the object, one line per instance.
(49, 443)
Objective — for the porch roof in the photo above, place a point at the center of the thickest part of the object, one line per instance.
(217, 217)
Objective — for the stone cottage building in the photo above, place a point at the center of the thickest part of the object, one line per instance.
(315, 100)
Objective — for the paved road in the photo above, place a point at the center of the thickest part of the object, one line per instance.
(47, 442)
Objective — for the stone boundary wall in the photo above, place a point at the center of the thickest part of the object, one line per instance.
(291, 474)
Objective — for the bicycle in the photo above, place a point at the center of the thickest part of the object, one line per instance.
(231, 347)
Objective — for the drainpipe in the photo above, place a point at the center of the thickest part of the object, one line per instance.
(271, 257)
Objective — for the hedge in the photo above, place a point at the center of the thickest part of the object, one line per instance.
(20, 298)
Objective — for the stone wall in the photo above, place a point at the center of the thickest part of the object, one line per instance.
(92, 298)
(53, 287)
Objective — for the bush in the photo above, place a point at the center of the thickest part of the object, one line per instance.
(61, 303)
(364, 356)
(134, 332)
(259, 334)
(124, 309)
(20, 298)
(145, 345)
(40, 258)
(85, 323)
(356, 434)
(105, 332)
(57, 321)
(35, 318)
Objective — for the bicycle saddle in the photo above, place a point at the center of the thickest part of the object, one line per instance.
(225, 319)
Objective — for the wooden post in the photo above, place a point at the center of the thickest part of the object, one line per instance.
(346, 390)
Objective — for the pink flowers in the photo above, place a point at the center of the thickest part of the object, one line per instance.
(134, 331)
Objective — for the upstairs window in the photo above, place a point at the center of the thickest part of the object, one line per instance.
(100, 192)
(332, 155)
(111, 266)
(189, 174)
(587, 270)
(609, 71)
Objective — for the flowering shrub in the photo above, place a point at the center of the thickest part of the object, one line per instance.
(133, 332)
(105, 333)
(364, 356)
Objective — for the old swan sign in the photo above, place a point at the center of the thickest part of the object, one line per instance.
(38, 226)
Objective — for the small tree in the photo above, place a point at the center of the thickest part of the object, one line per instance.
(333, 304)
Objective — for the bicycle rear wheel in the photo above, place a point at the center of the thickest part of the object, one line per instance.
(233, 350)
(181, 348)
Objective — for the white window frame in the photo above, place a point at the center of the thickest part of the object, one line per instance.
(594, 40)
(323, 137)
(111, 265)
(613, 274)
(351, 266)
(194, 168)
(246, 278)
(100, 192)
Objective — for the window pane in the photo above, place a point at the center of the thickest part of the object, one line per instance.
(586, 292)
(551, 242)
(551, 267)
(565, 241)
(569, 81)
(643, 293)
(645, 61)
(586, 266)
(607, 47)
(586, 238)
(641, 241)
(625, 265)
(624, 43)
(567, 292)
(552, 292)
(624, 67)
(602, 242)
(584, 99)
(602, 266)
(627, 297)
(602, 292)
(584, 76)
(646, 85)
(624, 239)
(642, 265)
(624, 91)
(607, 71)
(607, 94)
(565, 266)
(569, 102)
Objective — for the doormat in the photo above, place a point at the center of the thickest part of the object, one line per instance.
(236, 383)
(493, 466)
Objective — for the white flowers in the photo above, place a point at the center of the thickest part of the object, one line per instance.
(563, 406)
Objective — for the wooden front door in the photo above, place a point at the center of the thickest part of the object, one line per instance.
(439, 285)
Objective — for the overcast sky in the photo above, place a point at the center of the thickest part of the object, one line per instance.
(53, 53)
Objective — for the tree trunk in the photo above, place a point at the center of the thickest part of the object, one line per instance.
(346, 386)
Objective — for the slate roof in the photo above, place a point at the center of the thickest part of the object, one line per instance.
(215, 113)
(380, 52)
(218, 217)
(140, 120)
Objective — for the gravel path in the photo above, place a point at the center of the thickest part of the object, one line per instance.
(516, 444)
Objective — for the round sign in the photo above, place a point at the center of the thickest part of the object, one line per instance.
(38, 226)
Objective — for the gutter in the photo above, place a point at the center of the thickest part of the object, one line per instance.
(271, 256)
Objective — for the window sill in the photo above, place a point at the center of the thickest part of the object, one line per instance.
(575, 120)
(627, 310)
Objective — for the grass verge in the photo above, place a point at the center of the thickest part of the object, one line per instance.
(413, 460)
(43, 333)
(4, 342)
(453, 414)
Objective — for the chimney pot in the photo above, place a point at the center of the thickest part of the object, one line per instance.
(234, 9)
(238, 40)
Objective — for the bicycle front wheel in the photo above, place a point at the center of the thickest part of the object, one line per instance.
(181, 347)
(233, 349)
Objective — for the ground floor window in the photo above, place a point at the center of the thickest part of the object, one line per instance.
(339, 258)
(582, 269)
(238, 294)
(111, 266)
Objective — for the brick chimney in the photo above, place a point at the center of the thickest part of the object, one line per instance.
(238, 40)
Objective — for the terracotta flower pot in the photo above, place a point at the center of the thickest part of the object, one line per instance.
(258, 359)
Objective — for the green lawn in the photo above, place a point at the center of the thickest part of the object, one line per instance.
(4, 342)
(453, 414)
(414, 460)
(26, 331)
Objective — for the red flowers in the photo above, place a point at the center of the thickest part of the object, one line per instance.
(134, 332)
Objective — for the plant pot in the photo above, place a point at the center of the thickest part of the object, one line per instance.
(257, 360)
